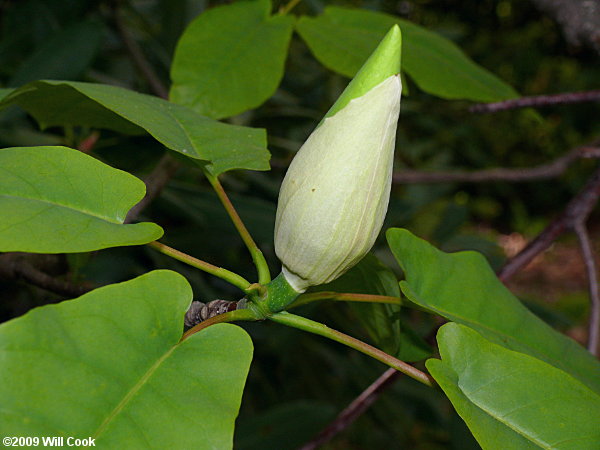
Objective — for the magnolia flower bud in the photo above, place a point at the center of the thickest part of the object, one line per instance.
(335, 194)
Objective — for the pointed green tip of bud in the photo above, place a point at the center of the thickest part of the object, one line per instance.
(382, 64)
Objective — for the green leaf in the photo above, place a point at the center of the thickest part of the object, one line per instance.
(223, 146)
(4, 92)
(110, 365)
(60, 200)
(65, 55)
(343, 38)
(231, 58)
(463, 288)
(490, 433)
(512, 400)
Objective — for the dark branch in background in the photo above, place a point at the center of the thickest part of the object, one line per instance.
(358, 406)
(137, 55)
(155, 182)
(578, 19)
(544, 171)
(167, 166)
(573, 219)
(537, 101)
(33, 270)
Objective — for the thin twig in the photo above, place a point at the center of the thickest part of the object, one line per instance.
(167, 166)
(544, 171)
(577, 210)
(18, 266)
(537, 101)
(137, 56)
(354, 410)
(592, 273)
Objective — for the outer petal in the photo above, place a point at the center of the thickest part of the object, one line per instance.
(335, 194)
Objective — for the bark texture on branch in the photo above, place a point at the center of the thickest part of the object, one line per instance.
(515, 175)
(537, 101)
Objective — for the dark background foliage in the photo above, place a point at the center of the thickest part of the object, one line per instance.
(302, 380)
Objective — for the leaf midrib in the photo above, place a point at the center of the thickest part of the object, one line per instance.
(71, 208)
(589, 382)
(134, 390)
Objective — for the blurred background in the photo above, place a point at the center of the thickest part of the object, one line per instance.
(299, 380)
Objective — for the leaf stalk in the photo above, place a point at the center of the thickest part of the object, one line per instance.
(320, 329)
(345, 297)
(264, 276)
(227, 275)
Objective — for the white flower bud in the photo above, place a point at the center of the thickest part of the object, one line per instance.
(335, 194)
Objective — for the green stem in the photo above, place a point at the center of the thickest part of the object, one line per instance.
(287, 8)
(264, 276)
(311, 326)
(224, 274)
(279, 295)
(231, 316)
(347, 297)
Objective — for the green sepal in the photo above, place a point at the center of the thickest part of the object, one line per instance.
(280, 294)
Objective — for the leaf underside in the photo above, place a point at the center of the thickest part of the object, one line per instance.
(221, 146)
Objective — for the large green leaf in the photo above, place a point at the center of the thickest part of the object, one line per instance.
(342, 39)
(512, 400)
(110, 365)
(4, 92)
(179, 128)
(230, 59)
(463, 288)
(489, 432)
(60, 200)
